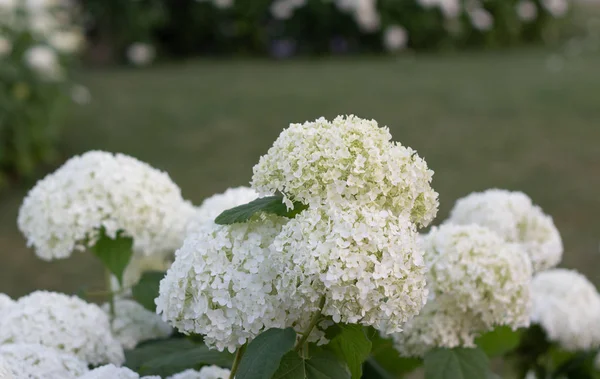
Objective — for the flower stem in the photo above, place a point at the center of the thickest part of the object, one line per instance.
(111, 295)
(313, 322)
(237, 360)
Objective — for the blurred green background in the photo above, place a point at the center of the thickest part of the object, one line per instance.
(521, 120)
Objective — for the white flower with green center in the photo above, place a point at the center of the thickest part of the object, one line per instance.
(133, 324)
(346, 160)
(364, 262)
(62, 322)
(567, 306)
(33, 361)
(66, 210)
(484, 275)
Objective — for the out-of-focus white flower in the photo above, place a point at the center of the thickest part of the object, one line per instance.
(481, 19)
(365, 13)
(214, 205)
(113, 372)
(62, 322)
(567, 306)
(138, 265)
(516, 219)
(5, 302)
(66, 210)
(556, 8)
(133, 324)
(44, 61)
(526, 10)
(141, 54)
(345, 160)
(439, 325)
(450, 8)
(483, 274)
(35, 361)
(221, 284)
(206, 372)
(5, 47)
(80, 94)
(223, 4)
(366, 263)
(8, 5)
(282, 9)
(66, 42)
(395, 38)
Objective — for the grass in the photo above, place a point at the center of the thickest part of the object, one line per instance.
(480, 120)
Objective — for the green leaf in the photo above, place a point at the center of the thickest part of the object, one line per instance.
(385, 357)
(146, 290)
(115, 254)
(263, 354)
(269, 204)
(323, 364)
(352, 346)
(499, 341)
(458, 363)
(170, 356)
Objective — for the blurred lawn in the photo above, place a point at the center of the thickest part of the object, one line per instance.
(481, 120)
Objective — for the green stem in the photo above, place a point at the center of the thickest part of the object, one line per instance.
(313, 322)
(111, 295)
(237, 360)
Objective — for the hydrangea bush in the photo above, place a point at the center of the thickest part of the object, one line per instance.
(318, 270)
(39, 40)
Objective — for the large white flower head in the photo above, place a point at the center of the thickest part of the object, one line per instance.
(113, 372)
(483, 274)
(439, 325)
(567, 306)
(221, 283)
(134, 324)
(516, 219)
(213, 206)
(63, 322)
(66, 210)
(365, 262)
(34, 361)
(206, 372)
(345, 160)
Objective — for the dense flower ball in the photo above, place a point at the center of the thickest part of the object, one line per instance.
(483, 274)
(206, 372)
(348, 159)
(113, 372)
(439, 325)
(365, 262)
(567, 306)
(213, 206)
(221, 284)
(5, 302)
(516, 219)
(63, 322)
(66, 210)
(134, 324)
(34, 361)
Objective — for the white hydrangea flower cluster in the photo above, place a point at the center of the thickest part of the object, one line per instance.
(213, 206)
(514, 217)
(133, 323)
(439, 324)
(482, 273)
(366, 262)
(111, 371)
(5, 302)
(34, 361)
(477, 281)
(98, 190)
(206, 372)
(347, 160)
(221, 283)
(62, 322)
(567, 306)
